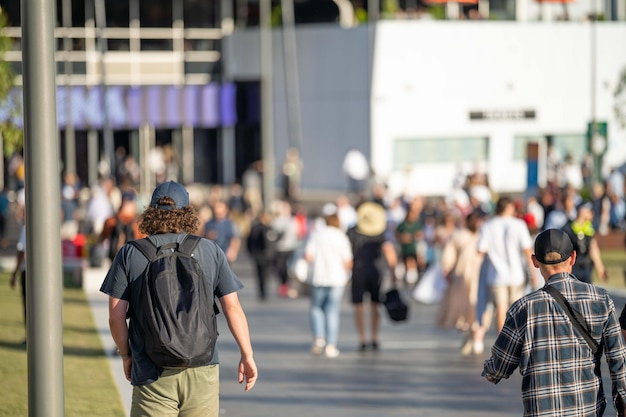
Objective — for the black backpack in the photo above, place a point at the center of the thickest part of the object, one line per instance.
(179, 322)
(127, 230)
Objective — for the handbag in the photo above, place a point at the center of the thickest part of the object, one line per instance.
(577, 320)
(397, 308)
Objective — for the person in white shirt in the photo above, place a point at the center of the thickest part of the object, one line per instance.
(330, 255)
(506, 245)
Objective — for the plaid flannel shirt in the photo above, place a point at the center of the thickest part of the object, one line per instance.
(560, 376)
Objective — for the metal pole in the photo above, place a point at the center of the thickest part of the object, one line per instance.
(70, 136)
(267, 104)
(92, 157)
(292, 80)
(109, 150)
(373, 11)
(597, 169)
(44, 298)
(188, 155)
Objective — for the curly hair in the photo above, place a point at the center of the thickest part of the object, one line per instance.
(155, 221)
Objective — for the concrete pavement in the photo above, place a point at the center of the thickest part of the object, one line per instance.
(418, 370)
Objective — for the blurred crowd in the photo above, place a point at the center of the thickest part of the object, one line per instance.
(435, 240)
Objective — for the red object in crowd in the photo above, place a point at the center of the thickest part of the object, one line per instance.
(301, 225)
(73, 248)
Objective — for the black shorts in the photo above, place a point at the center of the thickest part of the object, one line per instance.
(368, 281)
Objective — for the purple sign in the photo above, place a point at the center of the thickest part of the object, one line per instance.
(129, 107)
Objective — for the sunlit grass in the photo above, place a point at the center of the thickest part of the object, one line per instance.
(89, 387)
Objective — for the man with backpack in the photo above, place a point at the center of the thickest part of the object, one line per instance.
(166, 285)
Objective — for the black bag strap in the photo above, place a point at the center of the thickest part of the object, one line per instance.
(146, 247)
(150, 250)
(189, 243)
(577, 320)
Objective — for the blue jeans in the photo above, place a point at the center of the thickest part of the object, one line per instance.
(325, 310)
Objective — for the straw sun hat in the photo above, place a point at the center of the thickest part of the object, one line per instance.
(371, 219)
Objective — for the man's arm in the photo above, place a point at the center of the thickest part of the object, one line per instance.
(504, 353)
(233, 249)
(615, 353)
(532, 273)
(238, 325)
(596, 258)
(391, 256)
(119, 331)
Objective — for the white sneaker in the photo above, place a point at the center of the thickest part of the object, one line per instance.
(479, 348)
(331, 351)
(411, 276)
(318, 347)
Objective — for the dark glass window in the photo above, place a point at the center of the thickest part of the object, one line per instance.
(201, 44)
(201, 13)
(76, 9)
(117, 12)
(12, 10)
(118, 44)
(78, 13)
(156, 45)
(156, 13)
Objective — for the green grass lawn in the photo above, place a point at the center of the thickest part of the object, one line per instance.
(89, 387)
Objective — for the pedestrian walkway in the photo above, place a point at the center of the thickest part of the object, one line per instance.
(418, 371)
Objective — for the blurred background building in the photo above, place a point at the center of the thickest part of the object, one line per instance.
(425, 90)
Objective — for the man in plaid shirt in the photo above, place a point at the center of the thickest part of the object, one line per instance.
(561, 375)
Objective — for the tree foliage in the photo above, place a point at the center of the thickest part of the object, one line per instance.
(12, 135)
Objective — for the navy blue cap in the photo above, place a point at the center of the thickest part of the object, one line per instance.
(173, 190)
(553, 241)
(585, 205)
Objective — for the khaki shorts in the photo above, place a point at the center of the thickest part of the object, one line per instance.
(505, 295)
(192, 392)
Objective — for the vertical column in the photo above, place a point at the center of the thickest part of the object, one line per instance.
(267, 104)
(188, 155)
(70, 137)
(146, 143)
(228, 154)
(44, 284)
(92, 156)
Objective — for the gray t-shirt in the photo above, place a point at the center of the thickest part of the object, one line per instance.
(129, 265)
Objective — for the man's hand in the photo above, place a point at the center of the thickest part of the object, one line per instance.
(490, 378)
(603, 274)
(13, 280)
(247, 372)
(128, 364)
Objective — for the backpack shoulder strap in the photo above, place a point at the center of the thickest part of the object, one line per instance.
(189, 243)
(577, 320)
(146, 247)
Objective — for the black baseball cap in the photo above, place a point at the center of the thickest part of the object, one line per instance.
(553, 241)
(173, 190)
